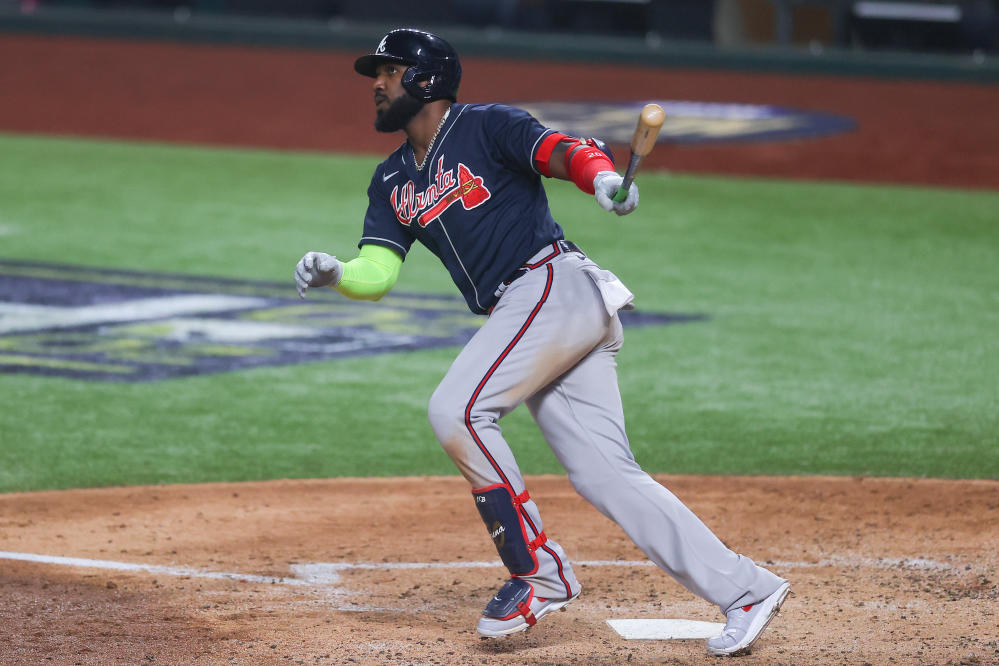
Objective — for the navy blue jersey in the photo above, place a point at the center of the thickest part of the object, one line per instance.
(478, 204)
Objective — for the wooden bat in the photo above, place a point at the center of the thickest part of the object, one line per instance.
(650, 120)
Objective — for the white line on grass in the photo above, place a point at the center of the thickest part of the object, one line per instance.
(328, 573)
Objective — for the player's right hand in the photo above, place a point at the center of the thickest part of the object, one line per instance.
(317, 269)
(606, 185)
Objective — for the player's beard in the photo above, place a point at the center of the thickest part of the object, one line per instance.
(398, 114)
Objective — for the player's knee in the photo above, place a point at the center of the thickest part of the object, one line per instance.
(607, 487)
(581, 484)
(591, 485)
(446, 416)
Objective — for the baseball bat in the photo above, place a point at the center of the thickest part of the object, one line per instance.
(650, 120)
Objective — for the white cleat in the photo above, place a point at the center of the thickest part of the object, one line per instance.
(746, 624)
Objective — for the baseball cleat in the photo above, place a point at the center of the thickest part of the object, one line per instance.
(515, 608)
(746, 624)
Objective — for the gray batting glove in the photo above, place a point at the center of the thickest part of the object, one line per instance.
(317, 269)
(605, 186)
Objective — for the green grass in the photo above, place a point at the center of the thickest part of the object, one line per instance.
(852, 329)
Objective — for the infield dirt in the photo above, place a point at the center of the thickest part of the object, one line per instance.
(883, 570)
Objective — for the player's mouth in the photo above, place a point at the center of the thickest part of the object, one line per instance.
(379, 99)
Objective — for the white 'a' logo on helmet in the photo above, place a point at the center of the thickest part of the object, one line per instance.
(381, 45)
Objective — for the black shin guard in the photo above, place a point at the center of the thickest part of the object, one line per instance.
(501, 512)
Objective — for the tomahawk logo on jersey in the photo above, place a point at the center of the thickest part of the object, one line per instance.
(479, 204)
(468, 188)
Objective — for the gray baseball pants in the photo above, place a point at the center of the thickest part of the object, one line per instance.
(550, 342)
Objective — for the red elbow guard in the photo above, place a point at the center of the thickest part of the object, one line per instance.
(583, 164)
(543, 157)
(583, 159)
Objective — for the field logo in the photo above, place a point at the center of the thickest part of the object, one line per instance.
(127, 326)
(689, 122)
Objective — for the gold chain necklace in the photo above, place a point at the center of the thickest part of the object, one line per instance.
(430, 146)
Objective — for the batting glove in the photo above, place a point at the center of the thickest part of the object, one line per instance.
(317, 269)
(605, 186)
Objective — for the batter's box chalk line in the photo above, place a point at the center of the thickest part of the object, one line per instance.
(665, 630)
(328, 574)
(163, 570)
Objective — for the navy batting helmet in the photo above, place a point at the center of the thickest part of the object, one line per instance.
(429, 57)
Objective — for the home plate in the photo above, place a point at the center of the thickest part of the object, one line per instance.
(665, 630)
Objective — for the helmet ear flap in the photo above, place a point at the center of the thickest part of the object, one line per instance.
(414, 76)
(411, 85)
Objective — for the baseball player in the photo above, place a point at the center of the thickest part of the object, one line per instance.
(467, 184)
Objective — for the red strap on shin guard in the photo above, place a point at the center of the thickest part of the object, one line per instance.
(519, 500)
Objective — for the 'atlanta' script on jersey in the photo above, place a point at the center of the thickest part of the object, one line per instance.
(444, 192)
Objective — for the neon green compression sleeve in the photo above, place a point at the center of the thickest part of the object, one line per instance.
(371, 274)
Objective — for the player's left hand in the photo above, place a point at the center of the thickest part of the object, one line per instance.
(317, 269)
(605, 186)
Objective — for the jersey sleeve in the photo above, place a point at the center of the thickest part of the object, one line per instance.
(380, 224)
(515, 136)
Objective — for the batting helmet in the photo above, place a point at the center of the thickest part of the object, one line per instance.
(429, 57)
